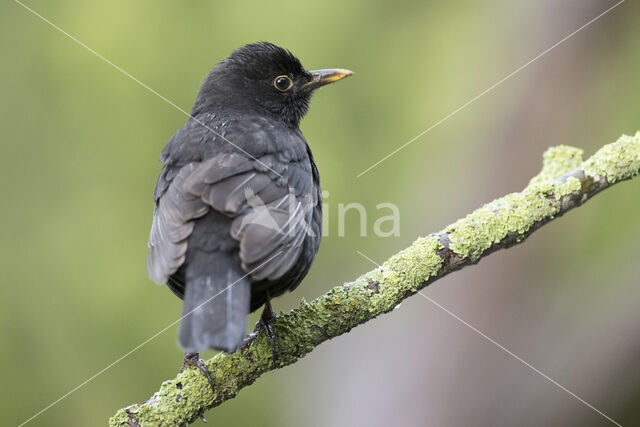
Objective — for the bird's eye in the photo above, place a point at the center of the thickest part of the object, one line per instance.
(283, 83)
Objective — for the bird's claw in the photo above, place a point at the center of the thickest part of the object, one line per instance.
(193, 360)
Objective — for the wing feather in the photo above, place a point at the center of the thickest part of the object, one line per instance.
(271, 213)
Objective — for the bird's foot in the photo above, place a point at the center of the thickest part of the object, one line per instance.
(266, 321)
(192, 360)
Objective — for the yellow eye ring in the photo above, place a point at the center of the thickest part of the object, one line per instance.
(283, 83)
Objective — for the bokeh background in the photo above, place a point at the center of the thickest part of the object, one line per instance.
(78, 157)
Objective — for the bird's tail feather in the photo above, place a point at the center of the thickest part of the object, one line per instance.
(216, 304)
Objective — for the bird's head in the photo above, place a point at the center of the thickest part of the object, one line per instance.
(267, 79)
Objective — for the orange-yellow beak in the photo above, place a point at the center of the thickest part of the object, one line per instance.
(324, 77)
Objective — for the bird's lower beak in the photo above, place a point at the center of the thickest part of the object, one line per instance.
(324, 77)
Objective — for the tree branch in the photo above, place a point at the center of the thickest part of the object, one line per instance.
(564, 183)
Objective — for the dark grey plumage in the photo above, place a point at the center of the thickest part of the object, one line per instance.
(238, 201)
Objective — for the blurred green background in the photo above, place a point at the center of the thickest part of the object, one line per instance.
(79, 162)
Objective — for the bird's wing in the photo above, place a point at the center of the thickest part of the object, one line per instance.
(270, 198)
(271, 212)
(172, 225)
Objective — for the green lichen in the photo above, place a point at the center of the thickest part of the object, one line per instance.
(179, 401)
(121, 418)
(541, 200)
(616, 161)
(347, 306)
(517, 212)
(471, 236)
(403, 274)
(557, 161)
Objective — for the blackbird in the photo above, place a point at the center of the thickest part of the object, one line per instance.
(238, 210)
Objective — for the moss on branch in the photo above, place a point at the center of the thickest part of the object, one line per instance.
(564, 182)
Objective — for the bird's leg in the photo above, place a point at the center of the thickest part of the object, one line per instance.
(193, 360)
(267, 318)
(266, 321)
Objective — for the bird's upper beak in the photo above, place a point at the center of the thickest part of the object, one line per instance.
(324, 77)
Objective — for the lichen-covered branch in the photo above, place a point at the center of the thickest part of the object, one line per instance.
(565, 182)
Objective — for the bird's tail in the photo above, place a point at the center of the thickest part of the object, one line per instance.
(216, 303)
